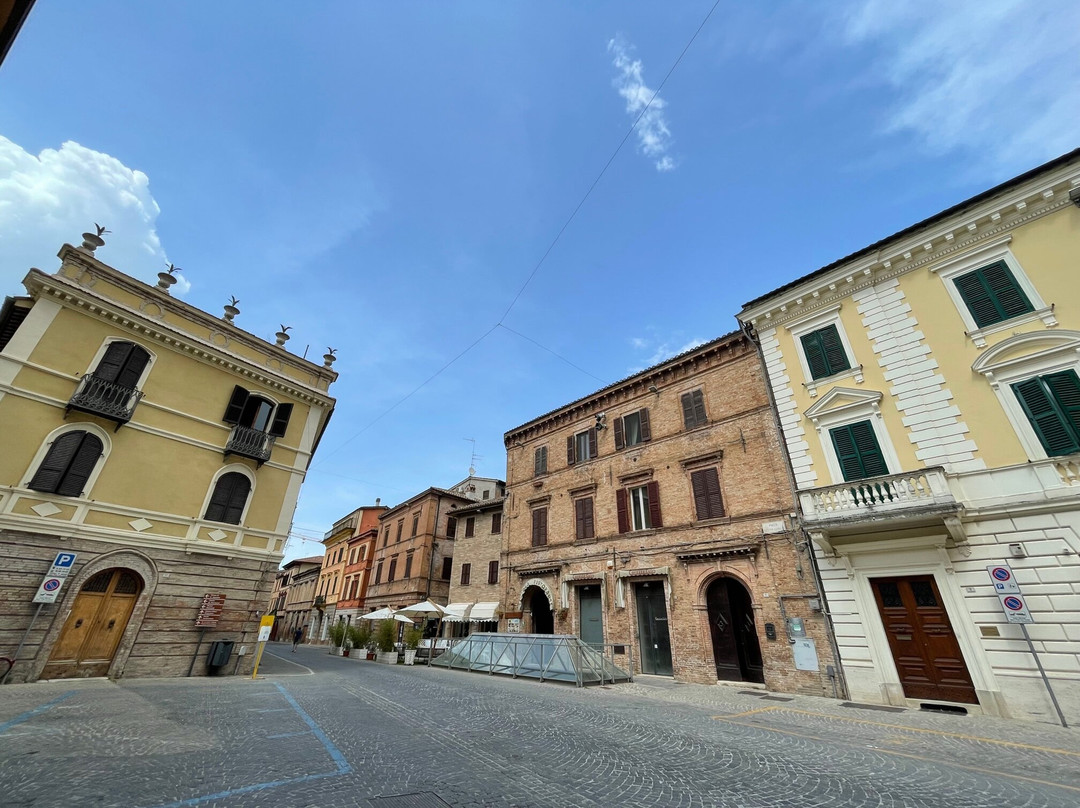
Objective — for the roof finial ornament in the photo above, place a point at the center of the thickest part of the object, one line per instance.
(231, 309)
(328, 357)
(91, 241)
(168, 277)
(283, 334)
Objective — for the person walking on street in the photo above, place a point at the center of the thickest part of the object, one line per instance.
(296, 637)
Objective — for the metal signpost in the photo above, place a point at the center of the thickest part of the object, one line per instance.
(209, 615)
(265, 625)
(1016, 611)
(48, 591)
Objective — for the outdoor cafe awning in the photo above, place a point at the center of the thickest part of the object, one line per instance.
(484, 612)
(457, 613)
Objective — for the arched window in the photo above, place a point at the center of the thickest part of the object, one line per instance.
(122, 364)
(68, 464)
(253, 411)
(229, 497)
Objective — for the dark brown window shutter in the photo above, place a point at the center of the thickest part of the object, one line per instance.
(570, 450)
(539, 527)
(621, 510)
(229, 497)
(496, 523)
(540, 460)
(447, 567)
(716, 501)
(470, 527)
(620, 441)
(81, 467)
(590, 530)
(493, 572)
(108, 369)
(56, 462)
(378, 572)
(281, 420)
(408, 565)
(592, 443)
(687, 400)
(701, 494)
(654, 505)
(451, 527)
(699, 408)
(236, 405)
(579, 518)
(466, 573)
(646, 430)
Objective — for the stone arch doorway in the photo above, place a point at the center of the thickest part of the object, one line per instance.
(736, 650)
(93, 629)
(538, 606)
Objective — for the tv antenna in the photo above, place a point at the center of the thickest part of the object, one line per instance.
(473, 457)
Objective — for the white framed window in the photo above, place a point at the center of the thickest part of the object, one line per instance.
(824, 350)
(1024, 358)
(69, 460)
(845, 407)
(227, 498)
(976, 301)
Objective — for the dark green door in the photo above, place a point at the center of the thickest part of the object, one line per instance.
(655, 642)
(590, 608)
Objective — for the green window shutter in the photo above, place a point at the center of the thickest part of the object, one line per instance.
(815, 355)
(992, 294)
(1056, 426)
(824, 352)
(858, 451)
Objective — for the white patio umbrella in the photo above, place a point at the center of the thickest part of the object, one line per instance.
(385, 613)
(427, 609)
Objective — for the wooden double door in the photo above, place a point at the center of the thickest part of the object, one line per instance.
(92, 633)
(736, 650)
(923, 644)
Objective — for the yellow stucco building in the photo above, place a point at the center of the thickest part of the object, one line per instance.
(929, 395)
(160, 445)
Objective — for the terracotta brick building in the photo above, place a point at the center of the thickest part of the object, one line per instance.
(359, 551)
(475, 580)
(655, 515)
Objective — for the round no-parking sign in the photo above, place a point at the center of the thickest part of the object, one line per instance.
(51, 584)
(1004, 582)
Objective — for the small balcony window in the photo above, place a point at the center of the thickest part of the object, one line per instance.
(257, 424)
(111, 389)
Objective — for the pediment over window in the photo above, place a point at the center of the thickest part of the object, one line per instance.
(843, 399)
(1023, 349)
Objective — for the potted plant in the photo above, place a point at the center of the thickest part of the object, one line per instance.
(360, 636)
(337, 633)
(384, 639)
(412, 639)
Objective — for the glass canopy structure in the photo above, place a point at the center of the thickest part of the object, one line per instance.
(547, 657)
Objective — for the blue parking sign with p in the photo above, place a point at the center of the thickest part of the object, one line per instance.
(64, 559)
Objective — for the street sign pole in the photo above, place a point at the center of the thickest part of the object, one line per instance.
(47, 592)
(265, 625)
(22, 642)
(1042, 673)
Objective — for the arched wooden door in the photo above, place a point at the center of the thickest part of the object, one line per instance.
(734, 635)
(93, 630)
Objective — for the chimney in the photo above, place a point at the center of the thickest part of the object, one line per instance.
(378, 501)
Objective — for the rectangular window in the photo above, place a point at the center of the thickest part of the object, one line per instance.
(470, 527)
(447, 567)
(466, 574)
(992, 294)
(539, 527)
(1052, 405)
(400, 527)
(632, 429)
(638, 508)
(858, 451)
(393, 569)
(451, 527)
(415, 524)
(583, 518)
(707, 500)
(386, 536)
(693, 409)
(493, 572)
(408, 565)
(378, 572)
(496, 523)
(540, 460)
(581, 447)
(824, 352)
(487, 494)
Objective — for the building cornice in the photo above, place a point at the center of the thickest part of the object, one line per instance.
(970, 228)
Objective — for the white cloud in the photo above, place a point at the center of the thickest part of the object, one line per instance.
(51, 198)
(1001, 78)
(654, 137)
(661, 349)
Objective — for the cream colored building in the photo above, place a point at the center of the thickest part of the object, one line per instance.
(163, 446)
(928, 391)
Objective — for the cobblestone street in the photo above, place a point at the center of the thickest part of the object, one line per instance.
(319, 730)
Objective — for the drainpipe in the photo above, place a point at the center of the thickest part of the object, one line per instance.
(748, 331)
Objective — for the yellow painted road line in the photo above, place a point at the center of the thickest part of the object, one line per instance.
(903, 754)
(1014, 744)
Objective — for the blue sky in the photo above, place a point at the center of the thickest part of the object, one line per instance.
(383, 177)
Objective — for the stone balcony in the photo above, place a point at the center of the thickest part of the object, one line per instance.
(912, 498)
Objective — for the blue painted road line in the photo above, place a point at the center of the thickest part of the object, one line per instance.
(36, 711)
(288, 734)
(273, 710)
(343, 766)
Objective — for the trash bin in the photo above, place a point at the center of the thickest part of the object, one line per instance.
(219, 653)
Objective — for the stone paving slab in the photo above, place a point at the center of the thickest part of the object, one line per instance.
(326, 731)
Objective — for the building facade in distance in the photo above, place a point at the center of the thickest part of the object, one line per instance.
(163, 447)
(359, 551)
(929, 392)
(655, 516)
(475, 578)
(291, 603)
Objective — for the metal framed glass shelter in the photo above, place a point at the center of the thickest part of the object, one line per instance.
(547, 657)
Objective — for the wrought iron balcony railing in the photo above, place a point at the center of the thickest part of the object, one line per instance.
(320, 601)
(107, 399)
(893, 494)
(250, 443)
